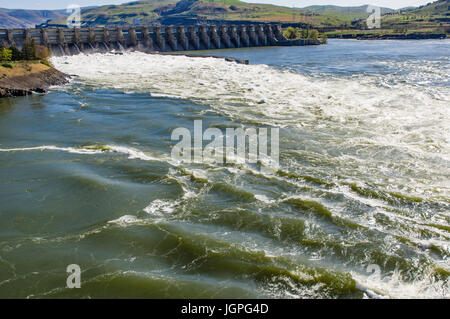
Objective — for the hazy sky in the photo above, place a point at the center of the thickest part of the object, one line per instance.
(60, 4)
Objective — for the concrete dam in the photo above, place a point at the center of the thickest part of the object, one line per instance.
(71, 41)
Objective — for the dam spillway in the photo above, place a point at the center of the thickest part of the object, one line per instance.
(72, 41)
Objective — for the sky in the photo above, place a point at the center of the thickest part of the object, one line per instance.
(61, 4)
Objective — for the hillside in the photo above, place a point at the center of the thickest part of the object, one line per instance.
(434, 15)
(138, 12)
(329, 9)
(430, 18)
(194, 11)
(341, 16)
(15, 18)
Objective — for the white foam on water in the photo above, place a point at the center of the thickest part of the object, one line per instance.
(161, 207)
(90, 150)
(126, 220)
(73, 150)
(393, 286)
(378, 114)
(265, 199)
(402, 115)
(133, 153)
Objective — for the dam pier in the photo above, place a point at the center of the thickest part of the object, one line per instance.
(72, 41)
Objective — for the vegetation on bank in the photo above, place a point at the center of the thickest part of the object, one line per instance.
(382, 32)
(292, 33)
(19, 68)
(434, 15)
(30, 51)
(432, 18)
(32, 58)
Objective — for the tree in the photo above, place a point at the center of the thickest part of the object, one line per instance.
(305, 34)
(314, 35)
(16, 54)
(5, 54)
(29, 50)
(290, 33)
(42, 52)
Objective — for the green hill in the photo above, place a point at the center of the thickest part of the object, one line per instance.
(435, 15)
(192, 11)
(329, 9)
(430, 18)
(342, 16)
(433, 18)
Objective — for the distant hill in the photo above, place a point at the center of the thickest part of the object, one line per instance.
(361, 10)
(166, 12)
(137, 12)
(193, 11)
(406, 9)
(16, 18)
(431, 16)
(344, 16)
(441, 7)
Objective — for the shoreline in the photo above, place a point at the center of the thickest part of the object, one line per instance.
(37, 82)
(411, 36)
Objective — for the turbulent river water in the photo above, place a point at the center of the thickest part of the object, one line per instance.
(359, 207)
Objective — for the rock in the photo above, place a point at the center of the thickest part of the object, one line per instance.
(35, 82)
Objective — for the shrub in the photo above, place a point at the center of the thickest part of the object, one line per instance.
(42, 52)
(305, 34)
(324, 39)
(7, 65)
(5, 54)
(313, 35)
(45, 62)
(290, 33)
(16, 54)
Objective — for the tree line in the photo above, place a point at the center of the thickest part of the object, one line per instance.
(30, 51)
(292, 33)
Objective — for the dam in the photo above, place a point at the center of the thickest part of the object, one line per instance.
(72, 41)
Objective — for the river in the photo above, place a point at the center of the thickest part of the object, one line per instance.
(359, 206)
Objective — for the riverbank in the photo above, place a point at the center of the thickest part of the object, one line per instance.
(25, 78)
(387, 36)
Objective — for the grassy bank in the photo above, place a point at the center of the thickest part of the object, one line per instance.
(30, 59)
(20, 68)
(383, 32)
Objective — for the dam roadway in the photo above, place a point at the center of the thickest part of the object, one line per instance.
(72, 41)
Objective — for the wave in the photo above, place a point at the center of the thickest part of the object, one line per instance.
(90, 150)
(404, 117)
(363, 178)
